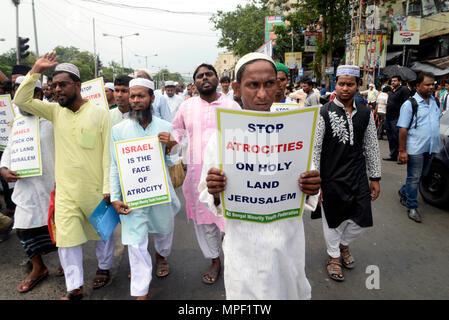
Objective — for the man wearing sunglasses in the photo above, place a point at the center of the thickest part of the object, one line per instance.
(82, 134)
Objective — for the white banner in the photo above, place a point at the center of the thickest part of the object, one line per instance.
(143, 178)
(25, 147)
(263, 155)
(6, 118)
(93, 90)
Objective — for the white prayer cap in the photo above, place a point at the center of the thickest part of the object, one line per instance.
(348, 70)
(109, 85)
(141, 82)
(169, 83)
(68, 67)
(176, 83)
(251, 57)
(19, 80)
(371, 85)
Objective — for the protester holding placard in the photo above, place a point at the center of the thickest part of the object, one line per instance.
(157, 218)
(82, 136)
(346, 146)
(262, 260)
(196, 119)
(282, 76)
(32, 194)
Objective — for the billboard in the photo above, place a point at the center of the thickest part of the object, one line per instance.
(372, 56)
(310, 38)
(270, 21)
(408, 31)
(293, 60)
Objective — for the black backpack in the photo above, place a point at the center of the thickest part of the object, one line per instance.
(415, 110)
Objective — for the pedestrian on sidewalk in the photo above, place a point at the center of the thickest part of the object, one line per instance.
(419, 140)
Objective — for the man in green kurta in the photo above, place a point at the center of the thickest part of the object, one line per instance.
(82, 134)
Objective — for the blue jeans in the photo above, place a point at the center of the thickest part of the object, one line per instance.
(417, 166)
(393, 137)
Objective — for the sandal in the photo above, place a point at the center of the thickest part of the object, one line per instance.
(72, 296)
(334, 270)
(346, 258)
(101, 279)
(211, 275)
(59, 272)
(162, 268)
(32, 282)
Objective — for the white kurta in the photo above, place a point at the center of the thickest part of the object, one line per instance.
(174, 103)
(32, 194)
(261, 261)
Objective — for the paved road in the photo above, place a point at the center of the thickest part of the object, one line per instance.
(411, 258)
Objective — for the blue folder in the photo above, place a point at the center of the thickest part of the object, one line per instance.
(104, 219)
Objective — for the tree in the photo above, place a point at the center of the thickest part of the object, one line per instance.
(164, 75)
(242, 30)
(8, 59)
(84, 60)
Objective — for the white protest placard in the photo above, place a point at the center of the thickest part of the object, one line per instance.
(278, 107)
(93, 90)
(25, 147)
(263, 155)
(143, 177)
(6, 118)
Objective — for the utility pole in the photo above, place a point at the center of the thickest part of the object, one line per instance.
(16, 3)
(35, 29)
(95, 52)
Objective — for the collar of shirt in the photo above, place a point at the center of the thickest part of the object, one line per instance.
(421, 100)
(341, 105)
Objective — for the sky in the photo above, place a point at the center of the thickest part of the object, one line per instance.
(178, 31)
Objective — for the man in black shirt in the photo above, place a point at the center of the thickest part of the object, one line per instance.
(396, 98)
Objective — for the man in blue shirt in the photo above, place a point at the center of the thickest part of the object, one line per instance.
(419, 140)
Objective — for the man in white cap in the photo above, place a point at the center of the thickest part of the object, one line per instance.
(371, 94)
(109, 90)
(196, 119)
(160, 105)
(346, 145)
(82, 137)
(173, 100)
(262, 261)
(158, 219)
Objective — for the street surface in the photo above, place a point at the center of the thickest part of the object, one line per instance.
(397, 258)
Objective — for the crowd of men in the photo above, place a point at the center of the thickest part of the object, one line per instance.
(77, 139)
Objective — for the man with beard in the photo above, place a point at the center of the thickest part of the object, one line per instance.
(346, 145)
(121, 93)
(173, 100)
(32, 198)
(419, 140)
(158, 219)
(82, 136)
(262, 261)
(159, 106)
(396, 98)
(196, 118)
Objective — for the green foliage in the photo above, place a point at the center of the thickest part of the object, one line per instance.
(242, 30)
(165, 75)
(8, 59)
(85, 61)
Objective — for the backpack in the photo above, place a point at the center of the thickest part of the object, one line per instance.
(415, 111)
